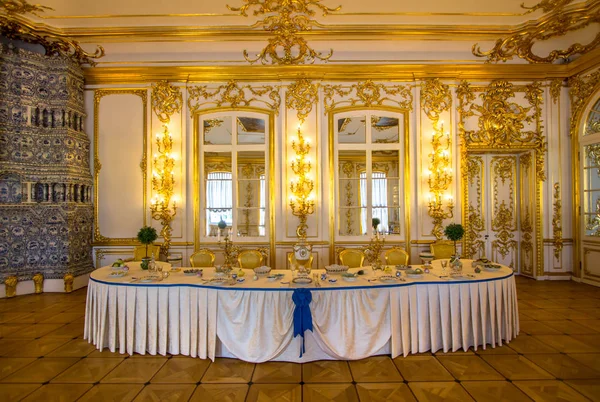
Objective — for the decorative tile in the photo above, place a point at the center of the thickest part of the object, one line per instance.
(16, 392)
(10, 365)
(568, 343)
(439, 391)
(277, 372)
(373, 392)
(166, 393)
(135, 370)
(275, 393)
(422, 368)
(501, 391)
(88, 371)
(180, 370)
(530, 344)
(41, 370)
(228, 371)
(326, 371)
(469, 368)
(329, 393)
(589, 388)
(550, 390)
(58, 392)
(563, 367)
(515, 367)
(375, 369)
(220, 393)
(112, 393)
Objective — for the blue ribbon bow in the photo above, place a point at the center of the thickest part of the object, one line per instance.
(302, 316)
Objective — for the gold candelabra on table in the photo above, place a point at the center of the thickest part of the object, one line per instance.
(163, 182)
(230, 251)
(301, 203)
(374, 249)
(440, 179)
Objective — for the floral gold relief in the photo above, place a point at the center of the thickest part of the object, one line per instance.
(301, 96)
(559, 22)
(233, 95)
(546, 5)
(557, 222)
(367, 94)
(286, 20)
(166, 100)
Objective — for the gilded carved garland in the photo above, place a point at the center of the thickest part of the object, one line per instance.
(233, 95)
(166, 100)
(301, 96)
(367, 94)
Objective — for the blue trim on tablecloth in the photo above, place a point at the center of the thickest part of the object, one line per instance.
(291, 289)
(302, 316)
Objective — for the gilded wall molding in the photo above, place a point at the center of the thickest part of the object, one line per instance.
(557, 222)
(13, 26)
(367, 94)
(286, 20)
(301, 96)
(581, 88)
(436, 99)
(233, 95)
(98, 238)
(555, 89)
(546, 5)
(166, 100)
(558, 23)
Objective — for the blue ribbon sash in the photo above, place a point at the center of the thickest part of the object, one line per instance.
(302, 316)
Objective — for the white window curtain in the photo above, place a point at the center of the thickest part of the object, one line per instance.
(261, 218)
(379, 202)
(219, 198)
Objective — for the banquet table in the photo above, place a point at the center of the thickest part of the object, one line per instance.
(256, 320)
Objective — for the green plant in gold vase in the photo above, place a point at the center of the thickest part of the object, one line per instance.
(147, 235)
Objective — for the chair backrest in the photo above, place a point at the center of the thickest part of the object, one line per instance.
(396, 256)
(442, 249)
(202, 258)
(250, 259)
(352, 257)
(292, 261)
(140, 252)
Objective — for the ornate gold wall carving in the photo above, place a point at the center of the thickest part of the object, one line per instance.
(98, 95)
(504, 217)
(301, 96)
(557, 222)
(555, 88)
(546, 5)
(13, 27)
(582, 87)
(367, 94)
(558, 23)
(436, 99)
(233, 95)
(474, 174)
(286, 20)
(166, 100)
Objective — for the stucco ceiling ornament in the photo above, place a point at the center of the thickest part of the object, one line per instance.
(12, 26)
(558, 23)
(287, 20)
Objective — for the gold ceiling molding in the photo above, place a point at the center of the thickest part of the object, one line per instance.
(546, 5)
(285, 19)
(558, 23)
(582, 87)
(12, 26)
(301, 96)
(166, 100)
(233, 95)
(367, 94)
(501, 123)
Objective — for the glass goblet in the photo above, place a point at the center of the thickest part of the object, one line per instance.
(444, 266)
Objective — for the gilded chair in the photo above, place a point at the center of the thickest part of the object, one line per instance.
(396, 256)
(292, 260)
(250, 259)
(442, 249)
(202, 258)
(352, 257)
(139, 252)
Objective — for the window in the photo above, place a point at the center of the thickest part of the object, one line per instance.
(369, 159)
(233, 150)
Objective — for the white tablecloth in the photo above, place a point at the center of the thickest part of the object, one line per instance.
(253, 321)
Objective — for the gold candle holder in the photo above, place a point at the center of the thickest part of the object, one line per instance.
(300, 202)
(439, 180)
(374, 249)
(230, 251)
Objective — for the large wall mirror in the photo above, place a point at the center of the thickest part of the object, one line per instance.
(368, 150)
(233, 176)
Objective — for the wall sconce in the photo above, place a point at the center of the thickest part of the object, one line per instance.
(301, 201)
(440, 179)
(162, 184)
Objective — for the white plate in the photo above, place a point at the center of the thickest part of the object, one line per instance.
(302, 280)
(414, 276)
(117, 274)
(489, 269)
(148, 280)
(349, 278)
(387, 279)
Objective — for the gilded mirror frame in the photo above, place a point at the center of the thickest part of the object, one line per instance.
(197, 145)
(333, 176)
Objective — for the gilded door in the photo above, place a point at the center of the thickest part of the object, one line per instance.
(500, 192)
